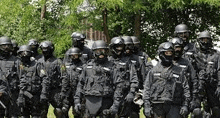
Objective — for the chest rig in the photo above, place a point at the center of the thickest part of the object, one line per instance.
(98, 79)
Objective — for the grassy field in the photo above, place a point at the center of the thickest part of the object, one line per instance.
(51, 114)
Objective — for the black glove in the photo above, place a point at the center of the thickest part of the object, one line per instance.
(77, 108)
(147, 112)
(194, 104)
(107, 112)
(20, 102)
(43, 99)
(64, 110)
(62, 96)
(184, 111)
(129, 97)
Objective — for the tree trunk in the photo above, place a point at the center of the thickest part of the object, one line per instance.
(43, 11)
(137, 24)
(105, 25)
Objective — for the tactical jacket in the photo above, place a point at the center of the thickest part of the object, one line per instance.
(31, 76)
(166, 85)
(10, 70)
(55, 71)
(99, 79)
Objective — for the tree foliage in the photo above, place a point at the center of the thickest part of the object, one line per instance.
(153, 21)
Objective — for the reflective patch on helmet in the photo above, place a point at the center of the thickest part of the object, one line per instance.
(157, 74)
(89, 67)
(42, 72)
(189, 53)
(183, 66)
(175, 75)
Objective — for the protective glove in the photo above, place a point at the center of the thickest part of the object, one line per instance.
(107, 112)
(147, 112)
(62, 96)
(77, 108)
(217, 92)
(194, 104)
(20, 102)
(64, 110)
(129, 97)
(43, 99)
(184, 111)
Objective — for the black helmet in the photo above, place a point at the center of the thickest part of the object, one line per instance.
(5, 40)
(181, 28)
(5, 45)
(117, 45)
(78, 39)
(135, 40)
(33, 42)
(14, 43)
(205, 40)
(182, 31)
(127, 40)
(100, 44)
(166, 59)
(74, 50)
(47, 48)
(24, 50)
(178, 47)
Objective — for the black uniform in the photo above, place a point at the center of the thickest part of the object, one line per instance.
(31, 76)
(102, 87)
(166, 91)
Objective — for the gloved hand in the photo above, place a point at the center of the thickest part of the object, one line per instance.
(184, 111)
(20, 102)
(77, 108)
(194, 104)
(147, 112)
(64, 110)
(129, 97)
(62, 96)
(107, 112)
(217, 92)
(43, 99)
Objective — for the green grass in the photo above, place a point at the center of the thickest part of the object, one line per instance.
(51, 114)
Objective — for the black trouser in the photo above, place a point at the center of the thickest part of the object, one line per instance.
(13, 109)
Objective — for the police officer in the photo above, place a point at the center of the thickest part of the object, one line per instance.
(69, 84)
(128, 73)
(183, 32)
(100, 84)
(191, 75)
(15, 47)
(207, 65)
(34, 44)
(166, 90)
(31, 77)
(78, 40)
(9, 66)
(4, 88)
(51, 87)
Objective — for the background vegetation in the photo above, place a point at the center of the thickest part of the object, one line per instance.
(153, 21)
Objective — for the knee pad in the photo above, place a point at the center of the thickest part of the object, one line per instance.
(197, 112)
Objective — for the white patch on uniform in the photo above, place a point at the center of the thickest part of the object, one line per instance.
(78, 68)
(189, 53)
(133, 61)
(211, 62)
(157, 74)
(67, 66)
(122, 64)
(183, 66)
(89, 66)
(107, 69)
(175, 75)
(42, 72)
